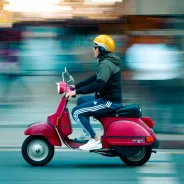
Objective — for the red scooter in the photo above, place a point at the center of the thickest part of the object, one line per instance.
(127, 134)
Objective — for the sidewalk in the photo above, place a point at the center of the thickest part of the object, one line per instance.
(14, 137)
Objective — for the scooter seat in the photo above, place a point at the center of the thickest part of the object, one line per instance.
(128, 111)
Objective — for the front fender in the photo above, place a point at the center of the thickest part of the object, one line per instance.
(46, 130)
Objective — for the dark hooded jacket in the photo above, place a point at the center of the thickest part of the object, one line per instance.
(106, 83)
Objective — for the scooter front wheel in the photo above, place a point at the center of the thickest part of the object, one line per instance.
(138, 159)
(37, 150)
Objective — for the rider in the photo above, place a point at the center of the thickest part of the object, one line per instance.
(106, 84)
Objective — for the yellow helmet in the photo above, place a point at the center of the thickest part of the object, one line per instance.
(106, 42)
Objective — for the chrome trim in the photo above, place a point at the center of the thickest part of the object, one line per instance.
(61, 139)
(63, 77)
(58, 135)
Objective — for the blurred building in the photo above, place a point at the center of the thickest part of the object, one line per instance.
(88, 9)
(149, 38)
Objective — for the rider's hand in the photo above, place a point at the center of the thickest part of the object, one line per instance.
(70, 94)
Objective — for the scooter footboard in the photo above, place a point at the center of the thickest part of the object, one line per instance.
(46, 130)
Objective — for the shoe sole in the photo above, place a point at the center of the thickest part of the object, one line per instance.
(99, 147)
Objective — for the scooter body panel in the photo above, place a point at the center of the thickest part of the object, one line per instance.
(126, 133)
(46, 130)
(65, 127)
(54, 118)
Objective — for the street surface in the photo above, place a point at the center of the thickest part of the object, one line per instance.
(79, 167)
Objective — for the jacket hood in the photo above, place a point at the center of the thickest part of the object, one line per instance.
(111, 57)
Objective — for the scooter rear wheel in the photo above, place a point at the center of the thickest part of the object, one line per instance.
(138, 159)
(37, 150)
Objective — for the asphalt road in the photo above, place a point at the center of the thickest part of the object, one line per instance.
(82, 167)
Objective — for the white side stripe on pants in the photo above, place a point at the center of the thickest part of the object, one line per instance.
(92, 109)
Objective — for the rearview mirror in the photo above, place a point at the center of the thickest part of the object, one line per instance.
(71, 79)
(67, 72)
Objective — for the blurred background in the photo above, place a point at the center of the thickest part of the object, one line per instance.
(38, 38)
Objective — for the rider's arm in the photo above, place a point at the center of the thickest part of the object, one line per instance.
(86, 82)
(103, 75)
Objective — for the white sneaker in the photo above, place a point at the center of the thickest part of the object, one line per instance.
(83, 137)
(91, 145)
